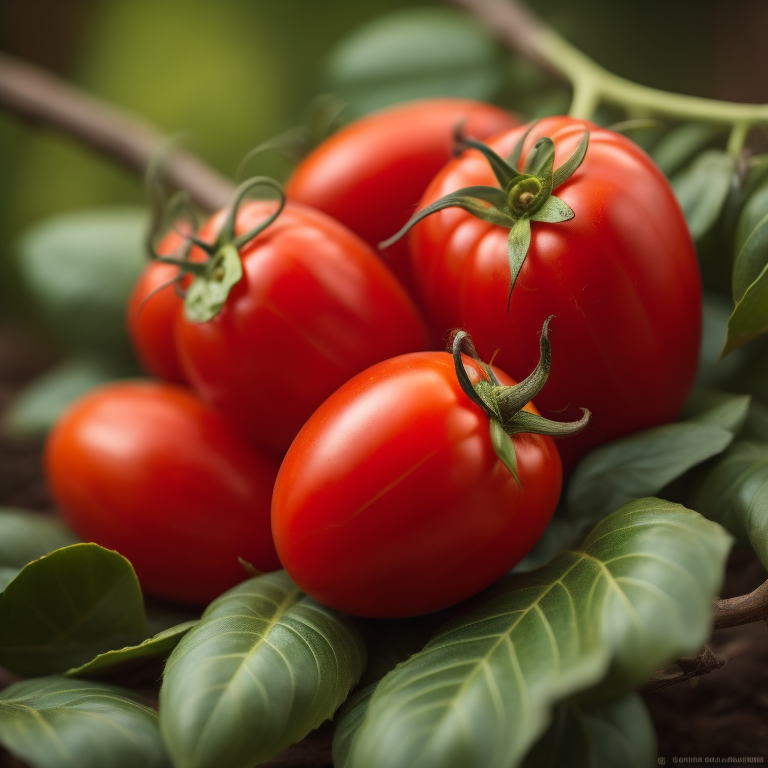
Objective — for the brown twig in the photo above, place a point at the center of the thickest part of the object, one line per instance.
(693, 667)
(731, 612)
(42, 98)
(514, 26)
(744, 609)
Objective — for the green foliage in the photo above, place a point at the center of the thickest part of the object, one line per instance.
(135, 657)
(604, 617)
(605, 735)
(66, 608)
(735, 494)
(54, 722)
(643, 463)
(40, 404)
(80, 269)
(414, 54)
(679, 146)
(263, 667)
(702, 188)
(26, 536)
(750, 275)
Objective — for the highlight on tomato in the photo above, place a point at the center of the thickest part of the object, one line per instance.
(589, 231)
(146, 469)
(420, 482)
(371, 174)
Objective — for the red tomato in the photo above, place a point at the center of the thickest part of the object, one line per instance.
(372, 173)
(151, 315)
(621, 279)
(392, 502)
(144, 468)
(313, 308)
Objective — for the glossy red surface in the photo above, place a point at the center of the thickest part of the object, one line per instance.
(313, 308)
(144, 468)
(621, 279)
(371, 174)
(392, 502)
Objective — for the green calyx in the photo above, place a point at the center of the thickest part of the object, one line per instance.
(503, 404)
(521, 197)
(213, 278)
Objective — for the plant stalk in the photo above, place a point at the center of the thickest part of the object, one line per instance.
(520, 30)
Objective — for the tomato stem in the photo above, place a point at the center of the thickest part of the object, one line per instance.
(504, 404)
(593, 85)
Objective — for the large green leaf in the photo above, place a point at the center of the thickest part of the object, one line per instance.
(264, 666)
(614, 733)
(54, 722)
(26, 536)
(735, 494)
(415, 54)
(66, 608)
(37, 407)
(135, 658)
(80, 268)
(750, 316)
(702, 188)
(643, 463)
(634, 597)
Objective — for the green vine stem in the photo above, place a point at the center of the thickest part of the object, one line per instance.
(517, 28)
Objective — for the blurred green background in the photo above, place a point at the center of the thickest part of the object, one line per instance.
(232, 73)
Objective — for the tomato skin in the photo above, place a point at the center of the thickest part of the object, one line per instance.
(151, 316)
(313, 308)
(371, 174)
(621, 279)
(391, 501)
(146, 469)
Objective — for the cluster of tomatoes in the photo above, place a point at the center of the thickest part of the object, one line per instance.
(299, 418)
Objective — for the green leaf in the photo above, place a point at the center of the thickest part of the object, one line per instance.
(67, 607)
(702, 188)
(517, 250)
(504, 447)
(717, 408)
(750, 315)
(39, 405)
(633, 598)
(751, 259)
(263, 667)
(714, 372)
(54, 722)
(80, 268)
(134, 658)
(681, 144)
(605, 735)
(414, 54)
(207, 295)
(349, 719)
(735, 494)
(26, 536)
(553, 211)
(640, 465)
(756, 426)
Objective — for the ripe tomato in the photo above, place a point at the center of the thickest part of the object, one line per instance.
(392, 501)
(314, 307)
(146, 469)
(621, 277)
(151, 315)
(371, 174)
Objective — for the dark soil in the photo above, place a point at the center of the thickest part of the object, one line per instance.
(724, 715)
